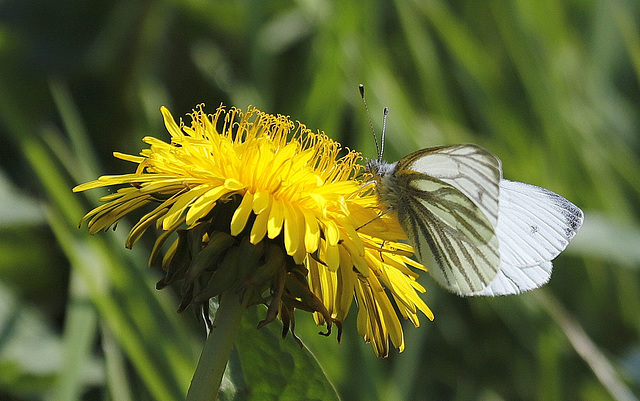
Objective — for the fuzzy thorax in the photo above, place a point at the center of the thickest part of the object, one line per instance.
(383, 174)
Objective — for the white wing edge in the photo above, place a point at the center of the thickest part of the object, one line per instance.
(534, 226)
(516, 280)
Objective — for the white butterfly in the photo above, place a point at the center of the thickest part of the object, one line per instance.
(482, 234)
(485, 235)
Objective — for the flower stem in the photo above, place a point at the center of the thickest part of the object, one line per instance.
(217, 348)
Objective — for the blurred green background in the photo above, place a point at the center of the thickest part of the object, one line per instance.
(551, 87)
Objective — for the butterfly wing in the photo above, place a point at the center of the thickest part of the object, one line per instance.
(534, 226)
(447, 203)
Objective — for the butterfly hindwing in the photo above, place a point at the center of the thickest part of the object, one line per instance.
(534, 226)
(448, 206)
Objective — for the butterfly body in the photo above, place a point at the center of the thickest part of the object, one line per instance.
(478, 233)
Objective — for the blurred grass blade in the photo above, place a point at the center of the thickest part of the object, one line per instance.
(31, 354)
(116, 367)
(426, 58)
(79, 336)
(462, 44)
(588, 351)
(92, 264)
(16, 208)
(628, 26)
(59, 147)
(74, 127)
(608, 240)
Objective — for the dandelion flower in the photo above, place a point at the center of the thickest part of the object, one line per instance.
(258, 205)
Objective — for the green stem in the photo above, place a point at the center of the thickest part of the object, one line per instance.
(217, 348)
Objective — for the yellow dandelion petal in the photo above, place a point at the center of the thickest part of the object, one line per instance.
(331, 231)
(371, 324)
(387, 312)
(357, 257)
(331, 255)
(261, 202)
(177, 210)
(345, 187)
(301, 162)
(284, 155)
(294, 229)
(141, 226)
(171, 186)
(352, 236)
(323, 284)
(129, 158)
(170, 123)
(276, 219)
(312, 231)
(241, 215)
(346, 285)
(318, 200)
(292, 238)
(261, 207)
(203, 205)
(233, 185)
(113, 213)
(411, 262)
(259, 229)
(391, 262)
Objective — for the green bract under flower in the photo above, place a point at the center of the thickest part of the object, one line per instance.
(265, 207)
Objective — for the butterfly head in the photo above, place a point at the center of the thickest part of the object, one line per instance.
(379, 168)
(382, 175)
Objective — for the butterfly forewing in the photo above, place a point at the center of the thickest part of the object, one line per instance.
(471, 169)
(449, 208)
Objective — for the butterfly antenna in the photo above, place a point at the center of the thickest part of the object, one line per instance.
(384, 130)
(364, 101)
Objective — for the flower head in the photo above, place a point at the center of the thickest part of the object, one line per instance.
(273, 211)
